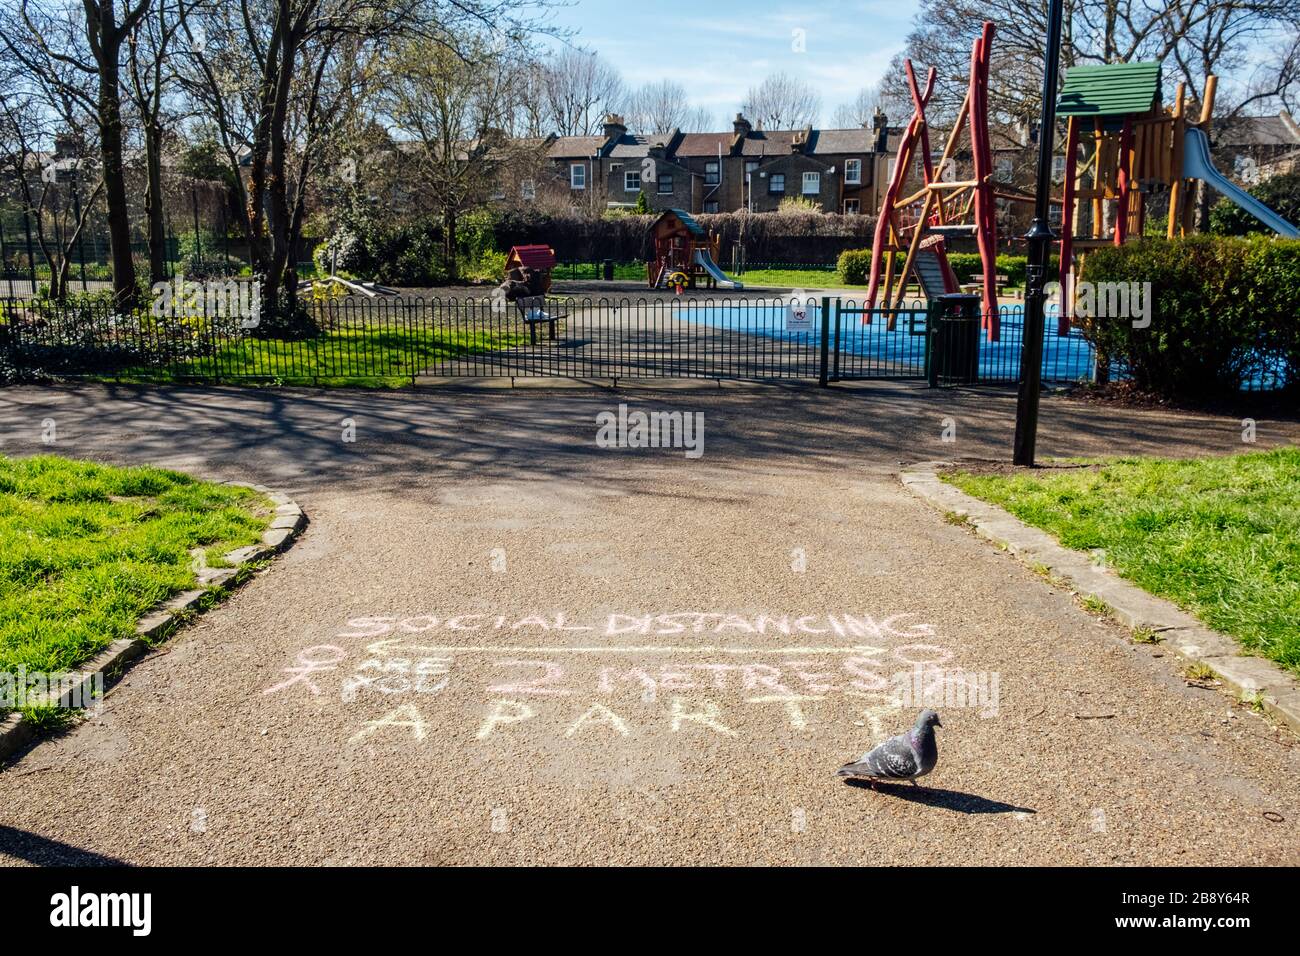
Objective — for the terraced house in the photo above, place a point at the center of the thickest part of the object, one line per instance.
(838, 170)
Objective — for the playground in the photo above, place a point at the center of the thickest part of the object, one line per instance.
(516, 435)
(1133, 149)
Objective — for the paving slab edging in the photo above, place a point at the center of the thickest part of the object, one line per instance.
(289, 520)
(1254, 679)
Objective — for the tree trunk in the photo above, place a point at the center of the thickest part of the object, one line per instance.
(277, 180)
(125, 294)
(153, 204)
(449, 243)
(62, 281)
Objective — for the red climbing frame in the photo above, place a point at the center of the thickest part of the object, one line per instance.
(946, 208)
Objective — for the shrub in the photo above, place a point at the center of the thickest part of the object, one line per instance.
(1014, 267)
(965, 264)
(854, 266)
(1280, 193)
(403, 255)
(797, 205)
(203, 254)
(1223, 312)
(487, 266)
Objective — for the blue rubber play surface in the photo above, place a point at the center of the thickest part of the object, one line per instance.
(1065, 358)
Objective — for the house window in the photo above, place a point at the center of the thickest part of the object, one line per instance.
(665, 183)
(577, 176)
(1005, 169)
(712, 173)
(711, 206)
(853, 172)
(812, 184)
(852, 206)
(750, 166)
(528, 190)
(1058, 168)
(632, 181)
(776, 183)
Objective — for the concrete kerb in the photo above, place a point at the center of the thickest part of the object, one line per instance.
(1258, 682)
(289, 520)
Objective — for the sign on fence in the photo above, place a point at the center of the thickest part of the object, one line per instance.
(798, 316)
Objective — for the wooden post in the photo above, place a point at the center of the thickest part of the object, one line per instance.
(1202, 190)
(1176, 184)
(1098, 141)
(1123, 182)
(886, 228)
(985, 213)
(1067, 226)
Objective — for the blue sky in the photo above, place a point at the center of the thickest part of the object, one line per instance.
(718, 50)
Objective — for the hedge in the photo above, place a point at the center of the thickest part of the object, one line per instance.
(1223, 314)
(855, 264)
(766, 237)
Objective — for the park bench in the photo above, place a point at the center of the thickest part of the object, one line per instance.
(977, 284)
(534, 311)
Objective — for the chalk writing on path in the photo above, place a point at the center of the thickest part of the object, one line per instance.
(608, 680)
(658, 625)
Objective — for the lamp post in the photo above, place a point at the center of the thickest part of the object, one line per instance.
(1040, 238)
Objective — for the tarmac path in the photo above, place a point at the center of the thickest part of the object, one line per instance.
(499, 643)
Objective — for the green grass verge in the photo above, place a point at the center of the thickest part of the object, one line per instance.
(1220, 537)
(796, 278)
(86, 550)
(362, 356)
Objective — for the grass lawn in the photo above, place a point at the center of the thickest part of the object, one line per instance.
(356, 355)
(1220, 537)
(86, 550)
(795, 278)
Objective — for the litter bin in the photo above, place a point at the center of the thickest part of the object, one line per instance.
(953, 353)
(608, 270)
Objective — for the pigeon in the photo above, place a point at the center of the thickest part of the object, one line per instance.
(904, 757)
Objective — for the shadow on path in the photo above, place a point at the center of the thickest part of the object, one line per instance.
(954, 800)
(291, 438)
(45, 852)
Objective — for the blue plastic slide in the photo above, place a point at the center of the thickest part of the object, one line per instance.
(1197, 165)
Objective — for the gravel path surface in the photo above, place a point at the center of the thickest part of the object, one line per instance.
(462, 660)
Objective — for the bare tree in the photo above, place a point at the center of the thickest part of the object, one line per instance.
(782, 101)
(1258, 43)
(87, 36)
(149, 53)
(580, 89)
(47, 184)
(663, 106)
(1191, 37)
(274, 76)
(859, 110)
(451, 106)
(529, 110)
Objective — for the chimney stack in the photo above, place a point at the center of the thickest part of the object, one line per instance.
(614, 126)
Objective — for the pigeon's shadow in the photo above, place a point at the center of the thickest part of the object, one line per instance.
(43, 851)
(953, 800)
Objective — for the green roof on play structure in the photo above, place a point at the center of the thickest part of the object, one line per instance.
(1114, 89)
(693, 227)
